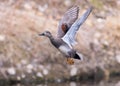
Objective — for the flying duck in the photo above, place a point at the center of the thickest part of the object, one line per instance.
(68, 26)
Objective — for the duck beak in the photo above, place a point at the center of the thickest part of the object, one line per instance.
(42, 34)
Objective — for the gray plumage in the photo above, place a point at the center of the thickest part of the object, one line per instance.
(68, 26)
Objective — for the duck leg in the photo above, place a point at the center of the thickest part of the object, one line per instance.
(70, 61)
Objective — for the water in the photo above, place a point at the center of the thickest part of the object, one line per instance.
(75, 84)
(111, 82)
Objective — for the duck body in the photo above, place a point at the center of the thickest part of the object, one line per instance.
(68, 26)
(63, 47)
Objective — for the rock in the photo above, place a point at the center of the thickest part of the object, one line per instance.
(67, 2)
(42, 8)
(73, 84)
(29, 68)
(39, 74)
(73, 71)
(24, 62)
(2, 37)
(18, 78)
(45, 71)
(11, 71)
(23, 75)
(118, 58)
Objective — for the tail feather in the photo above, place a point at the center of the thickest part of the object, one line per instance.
(78, 56)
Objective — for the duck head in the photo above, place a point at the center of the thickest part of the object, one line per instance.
(46, 33)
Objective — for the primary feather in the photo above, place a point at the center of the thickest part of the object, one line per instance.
(69, 37)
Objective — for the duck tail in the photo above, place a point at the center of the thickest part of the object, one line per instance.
(78, 56)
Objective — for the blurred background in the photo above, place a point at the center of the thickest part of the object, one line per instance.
(26, 58)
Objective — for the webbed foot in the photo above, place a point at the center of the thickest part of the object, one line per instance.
(70, 61)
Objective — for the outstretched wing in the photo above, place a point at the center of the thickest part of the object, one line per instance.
(66, 22)
(69, 37)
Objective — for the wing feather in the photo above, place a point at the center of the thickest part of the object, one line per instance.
(68, 19)
(69, 37)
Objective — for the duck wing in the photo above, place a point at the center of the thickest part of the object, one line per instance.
(66, 22)
(69, 37)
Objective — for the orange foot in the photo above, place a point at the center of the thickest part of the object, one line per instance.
(70, 61)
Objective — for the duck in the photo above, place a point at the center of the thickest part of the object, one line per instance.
(67, 29)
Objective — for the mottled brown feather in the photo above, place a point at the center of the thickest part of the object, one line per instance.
(64, 28)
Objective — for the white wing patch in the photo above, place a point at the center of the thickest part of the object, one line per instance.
(64, 50)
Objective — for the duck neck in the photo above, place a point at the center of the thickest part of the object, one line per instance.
(51, 37)
(53, 41)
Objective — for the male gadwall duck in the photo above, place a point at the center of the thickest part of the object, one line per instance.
(67, 29)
